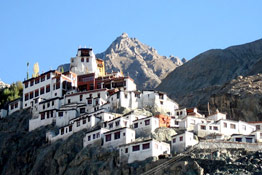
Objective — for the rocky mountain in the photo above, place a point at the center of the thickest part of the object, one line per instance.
(241, 98)
(140, 61)
(192, 83)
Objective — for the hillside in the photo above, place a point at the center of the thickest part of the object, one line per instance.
(200, 75)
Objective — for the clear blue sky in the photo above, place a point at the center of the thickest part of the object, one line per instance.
(50, 31)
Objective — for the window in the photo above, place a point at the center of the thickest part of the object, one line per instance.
(42, 90)
(47, 115)
(36, 80)
(70, 128)
(125, 95)
(62, 131)
(146, 146)
(42, 78)
(97, 135)
(89, 138)
(69, 101)
(58, 85)
(26, 97)
(89, 101)
(117, 135)
(81, 97)
(232, 126)
(77, 123)
(52, 114)
(26, 84)
(117, 123)
(88, 119)
(47, 88)
(36, 93)
(31, 95)
(87, 60)
(225, 125)
(249, 140)
(161, 102)
(176, 123)
(238, 139)
(60, 114)
(82, 59)
(32, 83)
(126, 150)
(215, 128)
(84, 121)
(260, 135)
(135, 125)
(174, 140)
(43, 106)
(111, 125)
(48, 104)
(98, 95)
(257, 127)
(94, 136)
(108, 137)
(136, 148)
(16, 105)
(82, 110)
(147, 122)
(210, 127)
(53, 103)
(203, 127)
(42, 116)
(48, 76)
(181, 138)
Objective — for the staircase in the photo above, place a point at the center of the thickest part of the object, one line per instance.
(166, 164)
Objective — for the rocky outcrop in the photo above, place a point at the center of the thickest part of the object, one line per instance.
(241, 98)
(139, 61)
(209, 69)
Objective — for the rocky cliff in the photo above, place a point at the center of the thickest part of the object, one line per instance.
(241, 98)
(202, 74)
(139, 61)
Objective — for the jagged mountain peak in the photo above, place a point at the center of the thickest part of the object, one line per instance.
(140, 61)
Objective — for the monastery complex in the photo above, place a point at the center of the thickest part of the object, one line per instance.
(118, 116)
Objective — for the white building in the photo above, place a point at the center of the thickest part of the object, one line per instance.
(145, 126)
(85, 62)
(243, 138)
(3, 113)
(258, 125)
(75, 125)
(116, 123)
(48, 85)
(180, 142)
(94, 136)
(14, 106)
(138, 151)
(118, 137)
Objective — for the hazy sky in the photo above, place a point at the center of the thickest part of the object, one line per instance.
(50, 31)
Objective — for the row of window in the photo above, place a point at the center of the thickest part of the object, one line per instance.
(66, 130)
(47, 114)
(83, 60)
(117, 123)
(43, 90)
(232, 126)
(147, 122)
(95, 136)
(137, 147)
(37, 80)
(14, 106)
(116, 135)
(203, 127)
(48, 104)
(180, 139)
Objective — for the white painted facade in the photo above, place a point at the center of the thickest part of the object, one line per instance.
(48, 85)
(258, 125)
(118, 137)
(145, 126)
(189, 122)
(3, 113)
(139, 151)
(84, 62)
(14, 106)
(181, 142)
(94, 136)
(243, 138)
(117, 123)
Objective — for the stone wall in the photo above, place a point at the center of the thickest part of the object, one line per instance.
(226, 145)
